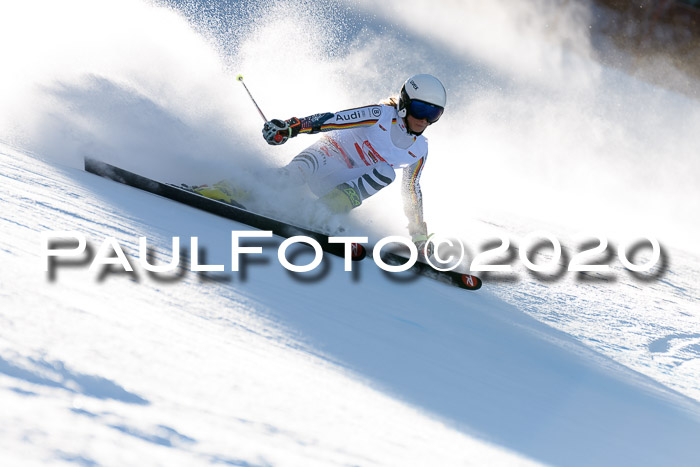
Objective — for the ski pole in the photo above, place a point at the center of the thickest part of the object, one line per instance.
(240, 78)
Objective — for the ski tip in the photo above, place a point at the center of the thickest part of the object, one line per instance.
(358, 252)
(470, 282)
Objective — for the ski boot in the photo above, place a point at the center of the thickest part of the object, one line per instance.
(341, 199)
(223, 191)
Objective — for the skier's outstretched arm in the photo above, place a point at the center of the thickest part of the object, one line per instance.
(413, 203)
(279, 131)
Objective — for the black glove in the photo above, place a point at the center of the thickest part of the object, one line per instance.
(278, 132)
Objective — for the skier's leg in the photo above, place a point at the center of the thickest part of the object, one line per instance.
(303, 167)
(328, 175)
(331, 177)
(314, 163)
(347, 189)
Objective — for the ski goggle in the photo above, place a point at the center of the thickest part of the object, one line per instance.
(422, 110)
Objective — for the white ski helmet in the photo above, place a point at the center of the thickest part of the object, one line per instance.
(419, 90)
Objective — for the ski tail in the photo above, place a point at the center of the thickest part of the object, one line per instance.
(233, 211)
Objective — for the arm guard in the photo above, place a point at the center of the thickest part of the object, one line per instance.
(351, 118)
(413, 198)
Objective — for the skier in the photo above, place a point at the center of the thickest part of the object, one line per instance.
(360, 149)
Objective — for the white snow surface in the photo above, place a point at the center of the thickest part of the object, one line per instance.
(265, 367)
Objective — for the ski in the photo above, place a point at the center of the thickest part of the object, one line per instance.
(235, 212)
(239, 213)
(453, 278)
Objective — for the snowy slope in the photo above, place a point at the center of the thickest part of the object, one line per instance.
(337, 368)
(270, 369)
(125, 371)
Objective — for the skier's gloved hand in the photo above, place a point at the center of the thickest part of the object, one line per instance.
(424, 246)
(275, 132)
(278, 132)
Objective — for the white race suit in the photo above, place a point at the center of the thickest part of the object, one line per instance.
(362, 148)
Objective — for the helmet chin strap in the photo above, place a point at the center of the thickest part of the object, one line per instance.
(408, 127)
(403, 113)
